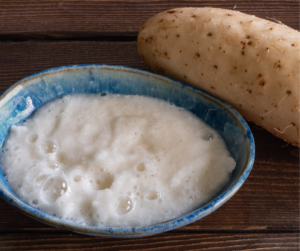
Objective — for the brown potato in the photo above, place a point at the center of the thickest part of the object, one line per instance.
(249, 62)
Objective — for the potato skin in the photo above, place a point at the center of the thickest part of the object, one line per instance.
(250, 63)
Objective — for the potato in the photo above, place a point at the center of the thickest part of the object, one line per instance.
(250, 63)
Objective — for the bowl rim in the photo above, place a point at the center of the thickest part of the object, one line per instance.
(188, 218)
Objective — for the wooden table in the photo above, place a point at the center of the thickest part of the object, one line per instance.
(37, 35)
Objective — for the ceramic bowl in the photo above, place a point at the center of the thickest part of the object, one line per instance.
(19, 101)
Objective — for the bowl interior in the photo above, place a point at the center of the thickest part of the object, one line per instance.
(18, 102)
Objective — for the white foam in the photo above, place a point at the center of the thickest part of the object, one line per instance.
(115, 160)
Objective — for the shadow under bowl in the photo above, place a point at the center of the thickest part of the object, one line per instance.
(24, 97)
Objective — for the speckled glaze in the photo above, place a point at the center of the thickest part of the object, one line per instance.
(19, 101)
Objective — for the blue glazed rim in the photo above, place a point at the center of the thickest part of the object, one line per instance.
(195, 215)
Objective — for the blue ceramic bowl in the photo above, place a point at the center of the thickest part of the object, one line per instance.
(19, 101)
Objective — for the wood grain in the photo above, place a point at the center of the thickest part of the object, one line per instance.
(165, 241)
(268, 201)
(77, 18)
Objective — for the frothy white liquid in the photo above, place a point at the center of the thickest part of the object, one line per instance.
(115, 160)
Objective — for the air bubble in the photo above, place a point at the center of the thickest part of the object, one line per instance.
(48, 146)
(206, 135)
(141, 167)
(152, 195)
(32, 165)
(125, 206)
(33, 173)
(105, 182)
(192, 197)
(54, 188)
(77, 178)
(61, 157)
(33, 137)
(52, 165)
(39, 181)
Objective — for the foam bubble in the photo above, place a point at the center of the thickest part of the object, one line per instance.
(104, 182)
(52, 165)
(48, 146)
(54, 188)
(125, 205)
(35, 202)
(77, 178)
(33, 173)
(39, 181)
(152, 195)
(206, 135)
(32, 137)
(141, 167)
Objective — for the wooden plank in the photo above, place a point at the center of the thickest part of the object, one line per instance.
(268, 201)
(165, 241)
(21, 59)
(76, 18)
